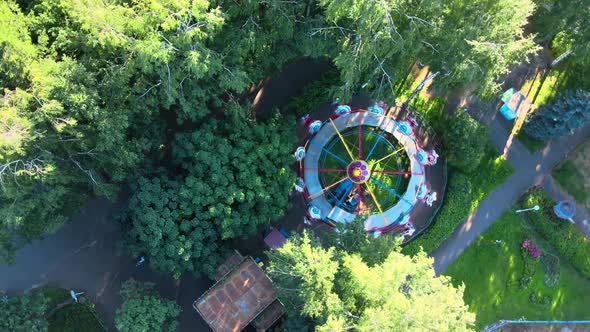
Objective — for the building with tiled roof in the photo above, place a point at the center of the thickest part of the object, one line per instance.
(242, 295)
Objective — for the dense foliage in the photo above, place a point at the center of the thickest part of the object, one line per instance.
(231, 176)
(466, 140)
(567, 240)
(377, 42)
(562, 116)
(454, 211)
(144, 310)
(95, 90)
(24, 313)
(563, 24)
(91, 88)
(76, 317)
(337, 290)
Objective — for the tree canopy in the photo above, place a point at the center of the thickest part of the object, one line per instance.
(144, 310)
(567, 112)
(23, 313)
(98, 94)
(230, 176)
(338, 290)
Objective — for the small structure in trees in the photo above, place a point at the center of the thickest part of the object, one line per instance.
(242, 295)
(515, 104)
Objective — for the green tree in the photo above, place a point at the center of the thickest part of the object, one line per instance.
(237, 170)
(166, 227)
(376, 42)
(24, 313)
(487, 39)
(144, 310)
(340, 291)
(562, 116)
(465, 140)
(232, 175)
(562, 24)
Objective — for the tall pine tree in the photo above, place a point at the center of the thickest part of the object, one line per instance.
(560, 117)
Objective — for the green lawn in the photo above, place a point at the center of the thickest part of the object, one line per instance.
(490, 273)
(531, 144)
(72, 317)
(76, 317)
(571, 179)
(574, 174)
(54, 296)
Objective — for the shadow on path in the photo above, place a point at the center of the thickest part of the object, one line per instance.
(86, 255)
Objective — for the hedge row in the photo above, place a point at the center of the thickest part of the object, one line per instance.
(567, 240)
(455, 209)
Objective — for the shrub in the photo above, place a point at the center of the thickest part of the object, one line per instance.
(566, 239)
(455, 209)
(76, 317)
(466, 142)
(535, 298)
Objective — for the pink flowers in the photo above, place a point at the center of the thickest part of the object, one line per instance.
(530, 246)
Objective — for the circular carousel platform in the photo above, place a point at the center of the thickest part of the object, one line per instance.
(377, 162)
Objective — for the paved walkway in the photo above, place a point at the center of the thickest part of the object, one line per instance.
(529, 170)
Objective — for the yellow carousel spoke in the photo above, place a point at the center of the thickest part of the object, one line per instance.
(389, 155)
(326, 188)
(377, 203)
(342, 140)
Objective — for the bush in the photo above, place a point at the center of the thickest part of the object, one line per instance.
(455, 209)
(544, 300)
(566, 239)
(144, 310)
(466, 140)
(76, 317)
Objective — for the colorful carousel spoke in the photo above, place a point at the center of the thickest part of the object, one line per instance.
(335, 156)
(391, 191)
(314, 195)
(375, 144)
(396, 172)
(342, 140)
(389, 155)
(377, 203)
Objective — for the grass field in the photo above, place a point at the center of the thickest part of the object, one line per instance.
(490, 273)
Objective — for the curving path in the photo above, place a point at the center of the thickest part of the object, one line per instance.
(86, 255)
(529, 170)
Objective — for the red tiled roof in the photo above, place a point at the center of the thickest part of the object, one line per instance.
(229, 264)
(269, 316)
(233, 302)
